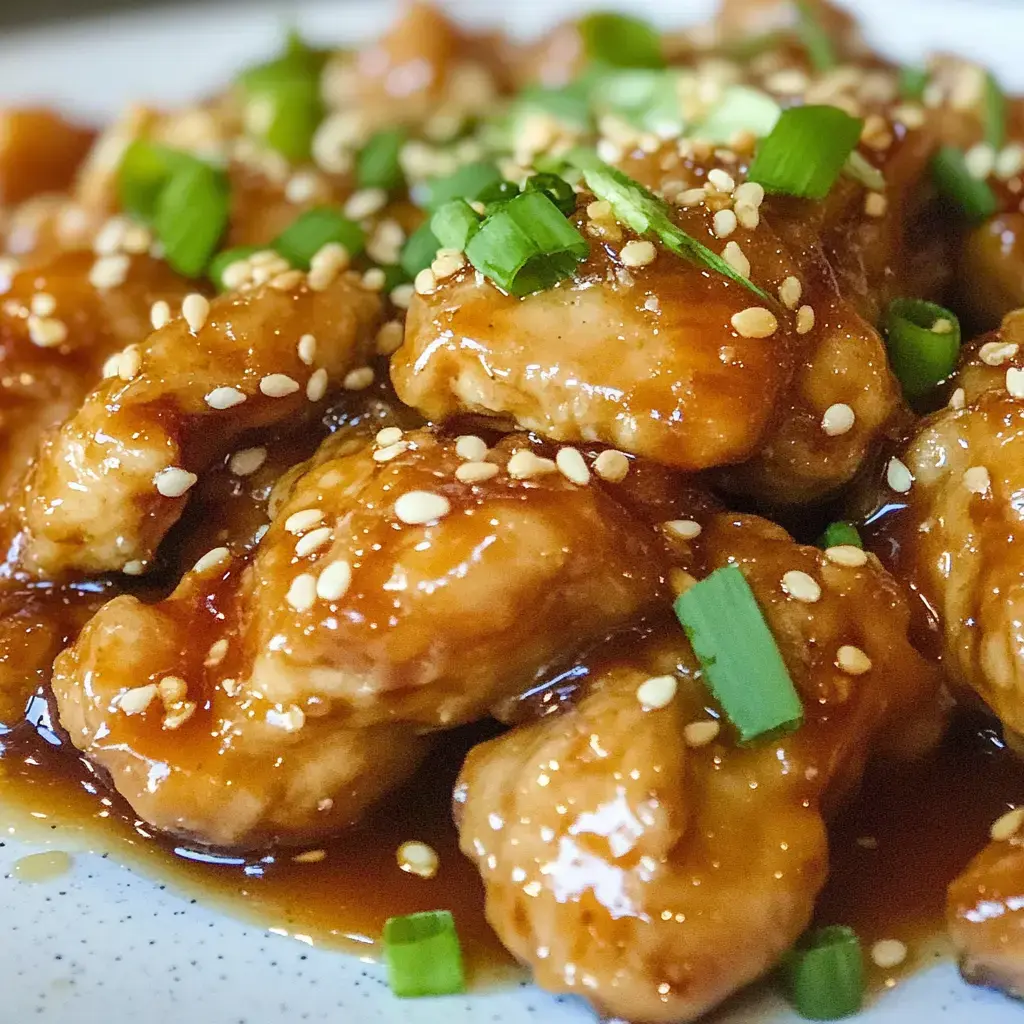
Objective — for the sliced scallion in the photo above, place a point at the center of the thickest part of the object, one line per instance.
(974, 198)
(190, 217)
(861, 169)
(297, 59)
(912, 83)
(556, 188)
(569, 105)
(224, 259)
(144, 171)
(647, 99)
(423, 956)
(741, 661)
(285, 116)
(465, 183)
(840, 534)
(454, 224)
(497, 194)
(815, 38)
(824, 974)
(921, 357)
(419, 250)
(314, 229)
(620, 41)
(740, 109)
(994, 113)
(378, 165)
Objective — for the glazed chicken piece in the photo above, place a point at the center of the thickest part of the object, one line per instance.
(633, 853)
(390, 597)
(107, 487)
(39, 152)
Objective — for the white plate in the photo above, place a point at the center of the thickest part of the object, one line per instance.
(101, 944)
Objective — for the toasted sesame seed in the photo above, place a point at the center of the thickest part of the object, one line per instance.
(195, 308)
(268, 258)
(329, 261)
(388, 435)
(1007, 825)
(471, 448)
(389, 338)
(312, 541)
(109, 271)
(958, 399)
(174, 481)
(801, 586)
(110, 238)
(159, 314)
(172, 689)
(852, 660)
(754, 322)
(111, 366)
(995, 353)
(723, 224)
(299, 522)
(721, 180)
(682, 529)
(888, 953)
(134, 568)
(419, 507)
(599, 209)
(224, 398)
(898, 477)
(391, 451)
(358, 379)
(875, 204)
(286, 281)
(334, 580)
(838, 419)
(736, 258)
(656, 692)
(748, 216)
(310, 857)
(447, 262)
(365, 203)
(246, 461)
(637, 253)
(612, 466)
(302, 592)
(691, 197)
(176, 719)
(419, 859)
(846, 555)
(1015, 382)
(980, 161)
(306, 349)
(374, 279)
(475, 472)
(790, 291)
(211, 559)
(525, 465)
(943, 325)
(401, 295)
(46, 332)
(750, 193)
(425, 282)
(977, 480)
(804, 319)
(217, 653)
(316, 386)
(1009, 161)
(43, 304)
(278, 385)
(129, 363)
(237, 275)
(137, 699)
(572, 466)
(700, 734)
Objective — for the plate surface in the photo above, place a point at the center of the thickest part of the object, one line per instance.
(101, 943)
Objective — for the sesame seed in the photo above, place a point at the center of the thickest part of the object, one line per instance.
(334, 580)
(846, 555)
(43, 304)
(374, 279)
(875, 204)
(310, 857)
(804, 319)
(365, 203)
(419, 507)
(572, 466)
(224, 398)
(316, 386)
(358, 379)
(943, 325)
(447, 262)
(801, 587)
(425, 282)
(525, 465)
(301, 187)
(136, 700)
(898, 477)
(174, 481)
(721, 180)
(611, 466)
(637, 253)
(995, 353)
(1015, 382)
(754, 322)
(683, 529)
(312, 541)
(471, 448)
(110, 238)
(46, 332)
(419, 859)
(750, 193)
(195, 308)
(748, 216)
(656, 692)
(211, 559)
(958, 399)
(977, 480)
(238, 274)
(217, 653)
(111, 366)
(700, 734)
(599, 209)
(172, 689)
(278, 385)
(852, 660)
(391, 451)
(723, 224)
(838, 419)
(691, 197)
(1009, 161)
(1007, 825)
(159, 314)
(401, 295)
(888, 953)
(736, 258)
(302, 592)
(475, 472)
(980, 161)
(306, 349)
(790, 291)
(129, 363)
(388, 435)
(246, 461)
(389, 338)
(179, 717)
(299, 522)
(109, 271)
(134, 568)
(329, 261)
(286, 281)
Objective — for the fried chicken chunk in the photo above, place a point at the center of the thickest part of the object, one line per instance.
(106, 487)
(637, 856)
(275, 696)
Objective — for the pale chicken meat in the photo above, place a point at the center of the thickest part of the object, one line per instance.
(633, 853)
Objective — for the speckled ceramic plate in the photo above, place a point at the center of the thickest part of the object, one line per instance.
(99, 943)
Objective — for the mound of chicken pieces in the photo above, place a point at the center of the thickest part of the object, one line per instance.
(296, 531)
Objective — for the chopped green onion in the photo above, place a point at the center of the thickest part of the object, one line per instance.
(298, 59)
(806, 151)
(840, 533)
(556, 188)
(815, 38)
(497, 194)
(423, 955)
(394, 275)
(745, 48)
(527, 245)
(377, 165)
(570, 105)
(741, 109)
(861, 169)
(454, 224)
(144, 172)
(314, 229)
(224, 259)
(465, 183)
(645, 213)
(824, 974)
(419, 250)
(285, 115)
(191, 216)
(620, 41)
(741, 661)
(995, 113)
(913, 82)
(974, 198)
(920, 356)
(647, 99)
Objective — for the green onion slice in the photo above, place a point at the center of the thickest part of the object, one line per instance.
(994, 113)
(645, 213)
(840, 533)
(423, 956)
(144, 172)
(556, 188)
(741, 661)
(815, 38)
(378, 165)
(647, 99)
(913, 82)
(824, 974)
(191, 216)
(454, 224)
(224, 259)
(741, 109)
(806, 151)
(298, 59)
(920, 356)
(861, 169)
(974, 198)
(620, 41)
(527, 245)
(570, 104)
(314, 229)
(465, 183)
(497, 194)
(285, 115)
(419, 250)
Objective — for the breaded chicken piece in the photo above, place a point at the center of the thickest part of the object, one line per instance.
(40, 151)
(635, 855)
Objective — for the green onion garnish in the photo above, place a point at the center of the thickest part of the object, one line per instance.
(556, 188)
(314, 229)
(286, 115)
(645, 213)
(913, 82)
(527, 245)
(840, 533)
(423, 955)
(454, 224)
(497, 194)
(419, 250)
(824, 974)
(806, 151)
(647, 99)
(144, 172)
(741, 661)
(974, 198)
(620, 41)
(570, 105)
(815, 38)
(298, 59)
(741, 109)
(377, 165)
(994, 113)
(861, 169)
(224, 259)
(921, 356)
(465, 183)
(191, 216)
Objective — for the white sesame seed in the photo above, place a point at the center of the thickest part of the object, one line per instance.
(723, 224)
(637, 253)
(691, 197)
(129, 363)
(195, 308)
(224, 398)
(801, 587)
(316, 386)
(312, 541)
(334, 580)
(572, 466)
(46, 332)
(748, 216)
(109, 271)
(374, 279)
(391, 451)
(172, 689)
(475, 472)
(1010, 161)
(721, 180)
(290, 719)
(838, 419)
(237, 275)
(447, 262)
(1015, 382)
(358, 379)
(43, 304)
(401, 295)
(176, 719)
(888, 953)
(306, 349)
(329, 261)
(134, 568)
(365, 203)
(299, 522)
(943, 325)
(750, 193)
(174, 481)
(804, 319)
(111, 366)
(847, 555)
(278, 385)
(525, 465)
(301, 187)
(302, 592)
(790, 291)
(286, 281)
(246, 461)
(875, 204)
(388, 435)
(471, 448)
(1007, 825)
(419, 507)
(419, 859)
(754, 322)
(898, 477)
(612, 466)
(425, 282)
(995, 353)
(211, 559)
(216, 654)
(268, 258)
(159, 314)
(700, 734)
(656, 692)
(958, 399)
(977, 480)
(736, 258)
(110, 238)
(852, 660)
(980, 160)
(136, 700)
(683, 529)
(389, 338)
